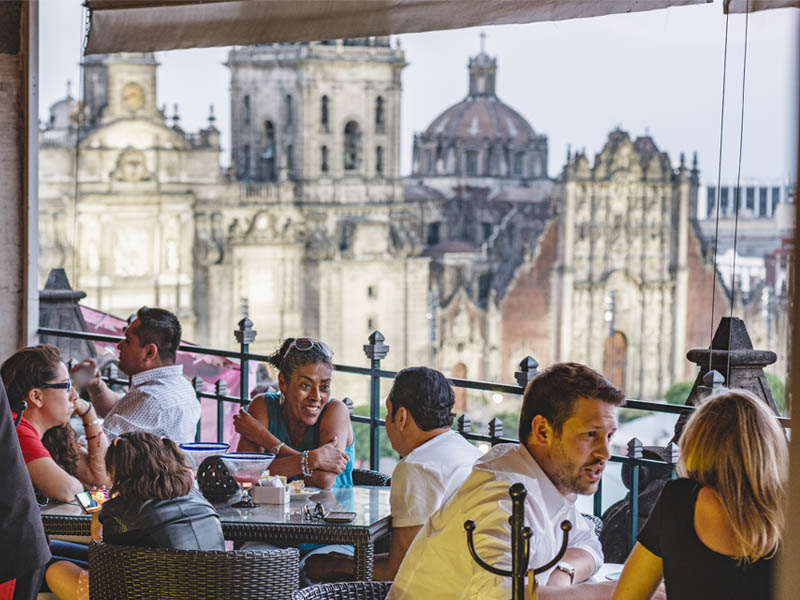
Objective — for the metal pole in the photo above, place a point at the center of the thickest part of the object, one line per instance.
(375, 351)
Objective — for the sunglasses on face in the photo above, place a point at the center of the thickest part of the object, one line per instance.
(62, 385)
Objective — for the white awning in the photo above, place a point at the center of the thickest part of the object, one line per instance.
(151, 25)
(742, 6)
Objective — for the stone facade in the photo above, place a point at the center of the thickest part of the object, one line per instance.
(476, 260)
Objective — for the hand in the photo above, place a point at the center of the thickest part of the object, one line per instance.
(81, 407)
(661, 593)
(251, 428)
(328, 457)
(86, 373)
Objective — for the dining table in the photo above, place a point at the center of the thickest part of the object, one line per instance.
(296, 522)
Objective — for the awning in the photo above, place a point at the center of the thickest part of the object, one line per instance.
(151, 25)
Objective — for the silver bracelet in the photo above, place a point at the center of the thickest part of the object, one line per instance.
(304, 464)
(276, 449)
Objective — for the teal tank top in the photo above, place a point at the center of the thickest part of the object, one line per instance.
(277, 427)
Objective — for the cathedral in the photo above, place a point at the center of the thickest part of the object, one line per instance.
(473, 261)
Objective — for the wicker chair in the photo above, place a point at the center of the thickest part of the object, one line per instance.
(351, 590)
(594, 522)
(126, 573)
(367, 477)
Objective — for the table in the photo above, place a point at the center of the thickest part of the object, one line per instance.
(280, 524)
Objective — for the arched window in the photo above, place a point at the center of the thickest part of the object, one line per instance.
(324, 159)
(460, 372)
(615, 358)
(323, 117)
(268, 171)
(519, 157)
(352, 146)
(246, 110)
(290, 159)
(472, 162)
(244, 165)
(379, 160)
(380, 118)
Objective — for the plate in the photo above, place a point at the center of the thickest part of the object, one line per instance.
(301, 494)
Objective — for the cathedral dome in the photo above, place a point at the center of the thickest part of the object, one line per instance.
(481, 136)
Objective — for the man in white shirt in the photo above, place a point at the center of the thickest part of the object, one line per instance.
(436, 461)
(161, 400)
(568, 417)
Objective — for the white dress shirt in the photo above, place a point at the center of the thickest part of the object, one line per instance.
(428, 475)
(438, 564)
(161, 401)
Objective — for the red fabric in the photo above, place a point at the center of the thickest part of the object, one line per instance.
(29, 442)
(7, 590)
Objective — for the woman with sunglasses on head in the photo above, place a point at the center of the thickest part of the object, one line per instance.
(310, 434)
(714, 533)
(59, 468)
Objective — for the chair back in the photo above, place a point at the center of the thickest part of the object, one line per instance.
(367, 477)
(351, 590)
(127, 573)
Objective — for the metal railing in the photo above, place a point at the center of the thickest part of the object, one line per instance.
(375, 351)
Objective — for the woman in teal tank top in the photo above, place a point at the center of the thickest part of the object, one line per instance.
(309, 433)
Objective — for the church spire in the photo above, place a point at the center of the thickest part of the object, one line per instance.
(482, 70)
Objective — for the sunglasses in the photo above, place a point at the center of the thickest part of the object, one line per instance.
(63, 385)
(306, 344)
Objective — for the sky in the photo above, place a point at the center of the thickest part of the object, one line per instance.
(658, 72)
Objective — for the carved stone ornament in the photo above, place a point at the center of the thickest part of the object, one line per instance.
(131, 166)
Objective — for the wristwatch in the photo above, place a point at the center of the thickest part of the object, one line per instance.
(568, 569)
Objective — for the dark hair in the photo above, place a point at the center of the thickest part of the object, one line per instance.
(62, 444)
(145, 466)
(29, 368)
(162, 328)
(286, 360)
(554, 392)
(426, 394)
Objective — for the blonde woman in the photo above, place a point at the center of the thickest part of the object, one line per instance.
(714, 532)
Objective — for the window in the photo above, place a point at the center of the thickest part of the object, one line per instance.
(323, 117)
(372, 324)
(290, 158)
(433, 233)
(486, 228)
(244, 168)
(380, 119)
(269, 173)
(776, 197)
(711, 200)
(352, 146)
(519, 157)
(472, 162)
(289, 111)
(723, 200)
(750, 199)
(246, 111)
(762, 202)
(372, 291)
(429, 162)
(379, 160)
(324, 159)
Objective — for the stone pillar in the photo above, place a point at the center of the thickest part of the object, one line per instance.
(18, 168)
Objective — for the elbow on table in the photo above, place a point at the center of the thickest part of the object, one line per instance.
(324, 480)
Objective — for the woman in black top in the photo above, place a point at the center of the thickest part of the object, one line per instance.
(153, 505)
(714, 533)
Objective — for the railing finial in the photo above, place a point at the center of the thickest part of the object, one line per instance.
(376, 349)
(245, 334)
(528, 369)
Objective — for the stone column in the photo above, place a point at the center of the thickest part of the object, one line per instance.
(19, 227)
(681, 274)
(566, 272)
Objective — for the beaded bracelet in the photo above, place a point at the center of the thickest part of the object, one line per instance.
(304, 464)
(86, 412)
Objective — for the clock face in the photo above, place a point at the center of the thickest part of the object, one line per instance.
(132, 97)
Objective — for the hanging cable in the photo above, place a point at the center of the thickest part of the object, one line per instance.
(738, 189)
(719, 180)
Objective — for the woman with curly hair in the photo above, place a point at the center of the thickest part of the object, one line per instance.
(153, 504)
(59, 468)
(714, 533)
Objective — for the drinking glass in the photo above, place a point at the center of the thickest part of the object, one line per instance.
(197, 452)
(246, 468)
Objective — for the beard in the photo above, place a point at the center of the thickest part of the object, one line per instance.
(568, 475)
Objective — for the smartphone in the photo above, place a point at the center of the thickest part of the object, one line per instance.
(87, 502)
(339, 517)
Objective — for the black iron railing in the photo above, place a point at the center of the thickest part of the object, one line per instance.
(375, 351)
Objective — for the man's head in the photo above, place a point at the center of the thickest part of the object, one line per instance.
(151, 341)
(569, 413)
(418, 408)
